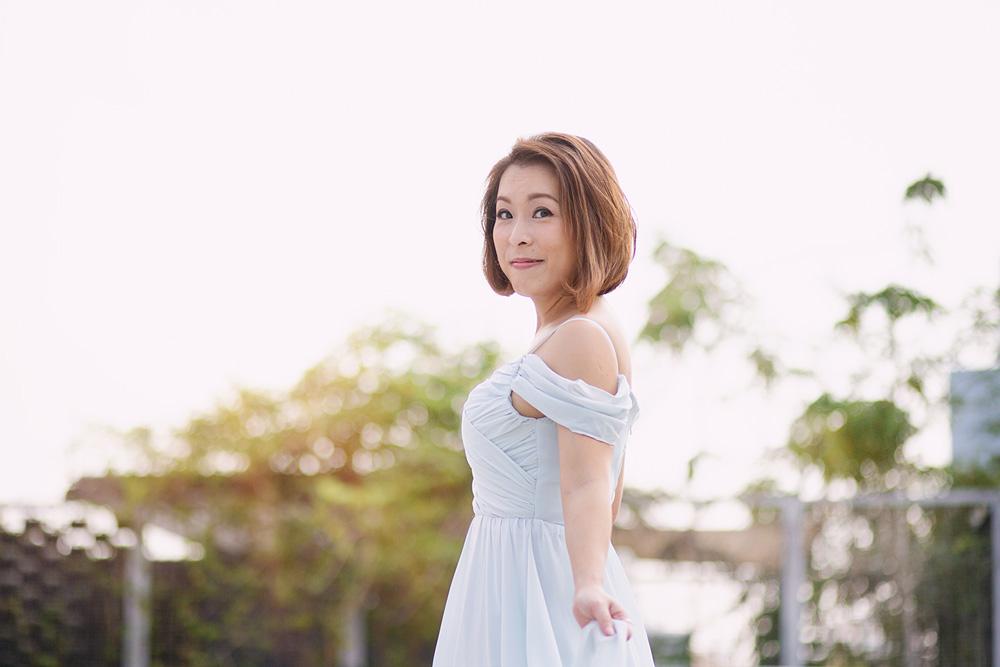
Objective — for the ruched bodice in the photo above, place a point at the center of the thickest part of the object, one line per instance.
(512, 474)
(510, 601)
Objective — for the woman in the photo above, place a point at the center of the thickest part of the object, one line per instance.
(538, 583)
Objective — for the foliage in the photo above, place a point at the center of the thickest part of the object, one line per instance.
(895, 569)
(899, 564)
(60, 602)
(348, 493)
(958, 558)
(702, 305)
(895, 301)
(927, 188)
(858, 440)
(700, 294)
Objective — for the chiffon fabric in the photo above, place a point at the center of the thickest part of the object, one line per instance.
(511, 597)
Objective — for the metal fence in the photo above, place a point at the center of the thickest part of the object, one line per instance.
(880, 579)
(892, 579)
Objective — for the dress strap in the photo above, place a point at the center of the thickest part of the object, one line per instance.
(575, 317)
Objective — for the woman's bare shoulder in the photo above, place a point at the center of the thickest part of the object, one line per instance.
(607, 318)
(600, 352)
(580, 350)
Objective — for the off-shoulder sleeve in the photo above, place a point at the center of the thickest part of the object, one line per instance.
(575, 404)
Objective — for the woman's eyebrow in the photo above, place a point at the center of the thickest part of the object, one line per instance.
(530, 197)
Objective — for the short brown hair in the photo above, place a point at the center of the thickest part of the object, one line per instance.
(601, 225)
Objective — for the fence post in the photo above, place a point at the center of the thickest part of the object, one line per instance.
(793, 570)
(995, 563)
(353, 652)
(136, 604)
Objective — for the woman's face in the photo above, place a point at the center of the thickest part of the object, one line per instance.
(530, 226)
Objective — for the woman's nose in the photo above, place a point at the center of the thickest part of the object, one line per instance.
(519, 232)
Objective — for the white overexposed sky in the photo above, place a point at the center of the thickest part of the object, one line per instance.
(200, 195)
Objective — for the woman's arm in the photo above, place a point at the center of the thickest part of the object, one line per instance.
(584, 352)
(581, 351)
(587, 514)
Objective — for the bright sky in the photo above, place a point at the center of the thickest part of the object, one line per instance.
(199, 195)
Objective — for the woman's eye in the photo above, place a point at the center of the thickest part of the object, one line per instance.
(501, 212)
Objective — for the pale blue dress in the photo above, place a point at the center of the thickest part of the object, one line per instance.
(510, 601)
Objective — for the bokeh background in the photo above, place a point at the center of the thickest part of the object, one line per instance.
(241, 306)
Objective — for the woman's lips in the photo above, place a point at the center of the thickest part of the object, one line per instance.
(525, 265)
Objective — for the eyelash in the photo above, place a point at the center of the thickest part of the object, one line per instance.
(540, 208)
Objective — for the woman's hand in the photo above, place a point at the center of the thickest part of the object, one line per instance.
(592, 603)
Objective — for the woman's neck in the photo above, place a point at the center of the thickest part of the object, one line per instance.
(553, 316)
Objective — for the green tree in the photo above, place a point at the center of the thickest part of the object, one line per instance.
(348, 493)
(897, 562)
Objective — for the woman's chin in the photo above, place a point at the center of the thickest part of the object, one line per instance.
(530, 293)
(523, 290)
